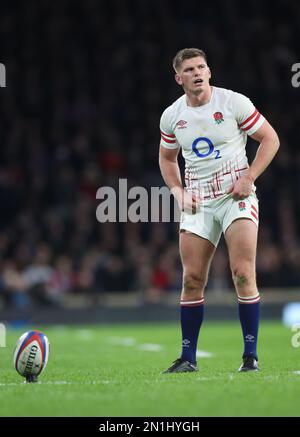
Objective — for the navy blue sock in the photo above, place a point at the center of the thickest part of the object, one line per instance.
(191, 320)
(249, 318)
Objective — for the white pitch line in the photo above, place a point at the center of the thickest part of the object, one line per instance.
(130, 341)
(204, 354)
(296, 372)
(150, 347)
(123, 341)
(84, 334)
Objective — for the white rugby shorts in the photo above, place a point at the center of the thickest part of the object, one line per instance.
(213, 218)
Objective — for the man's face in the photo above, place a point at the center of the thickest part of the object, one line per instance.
(193, 75)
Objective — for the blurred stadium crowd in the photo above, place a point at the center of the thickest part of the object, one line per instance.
(86, 85)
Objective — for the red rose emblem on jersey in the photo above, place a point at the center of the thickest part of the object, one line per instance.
(218, 116)
(242, 206)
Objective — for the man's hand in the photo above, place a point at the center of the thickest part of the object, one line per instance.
(188, 202)
(242, 188)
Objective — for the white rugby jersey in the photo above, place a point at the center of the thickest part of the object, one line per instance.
(213, 139)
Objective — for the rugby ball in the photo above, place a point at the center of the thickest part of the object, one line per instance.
(31, 355)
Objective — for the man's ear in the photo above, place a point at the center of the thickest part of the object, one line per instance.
(178, 79)
(209, 72)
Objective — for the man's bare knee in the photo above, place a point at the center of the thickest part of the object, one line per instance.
(244, 278)
(193, 285)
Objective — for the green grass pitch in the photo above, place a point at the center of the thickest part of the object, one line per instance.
(107, 371)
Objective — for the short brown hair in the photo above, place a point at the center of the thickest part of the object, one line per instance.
(187, 54)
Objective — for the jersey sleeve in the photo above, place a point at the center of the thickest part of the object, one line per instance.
(168, 138)
(247, 116)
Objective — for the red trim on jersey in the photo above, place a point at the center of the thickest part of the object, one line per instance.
(249, 118)
(237, 170)
(168, 141)
(252, 124)
(166, 135)
(254, 215)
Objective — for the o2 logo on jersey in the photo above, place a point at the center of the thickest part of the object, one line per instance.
(206, 151)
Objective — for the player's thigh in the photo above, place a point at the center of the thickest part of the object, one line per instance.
(241, 240)
(196, 254)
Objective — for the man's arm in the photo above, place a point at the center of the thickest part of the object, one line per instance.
(269, 145)
(170, 171)
(169, 167)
